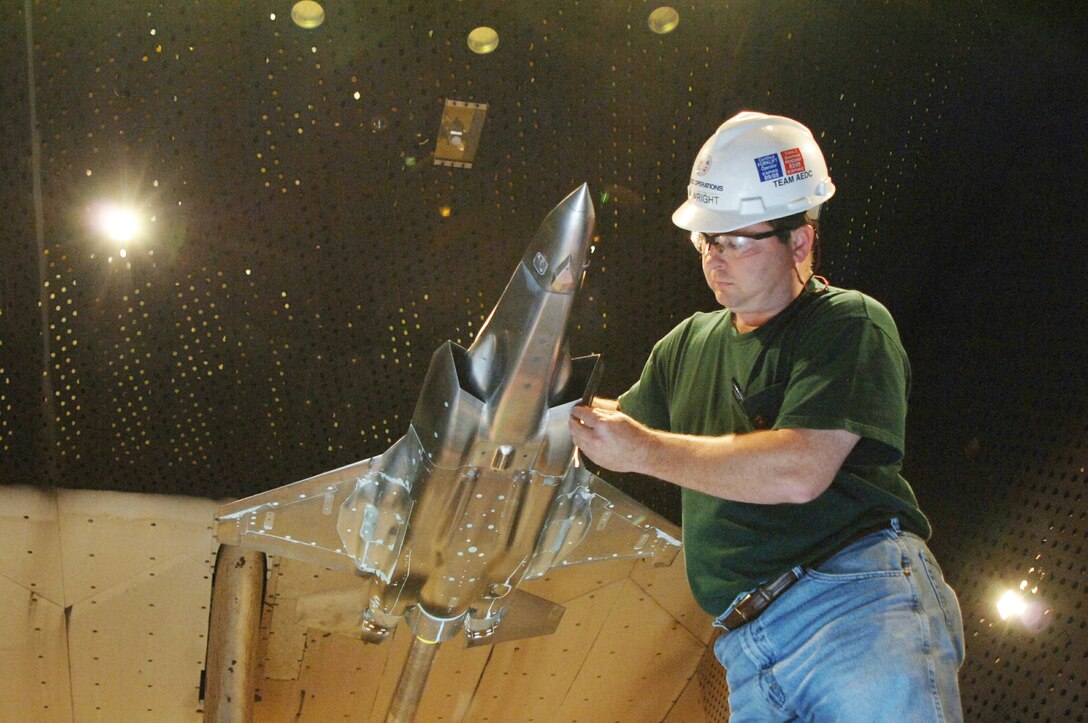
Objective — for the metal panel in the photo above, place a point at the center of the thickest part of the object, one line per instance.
(34, 679)
(619, 676)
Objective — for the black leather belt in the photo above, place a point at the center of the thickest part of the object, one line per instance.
(752, 605)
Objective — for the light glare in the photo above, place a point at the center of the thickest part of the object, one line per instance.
(1011, 605)
(117, 223)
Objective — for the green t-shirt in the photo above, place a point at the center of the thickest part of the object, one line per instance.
(830, 360)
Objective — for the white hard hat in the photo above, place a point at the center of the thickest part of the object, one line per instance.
(754, 168)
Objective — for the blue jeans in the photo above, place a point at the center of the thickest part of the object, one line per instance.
(872, 634)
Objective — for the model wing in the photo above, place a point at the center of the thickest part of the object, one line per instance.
(353, 518)
(594, 521)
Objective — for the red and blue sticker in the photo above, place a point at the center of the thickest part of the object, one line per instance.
(783, 167)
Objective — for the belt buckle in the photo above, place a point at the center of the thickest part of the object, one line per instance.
(740, 604)
(736, 618)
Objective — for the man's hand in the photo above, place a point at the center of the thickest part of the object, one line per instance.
(610, 438)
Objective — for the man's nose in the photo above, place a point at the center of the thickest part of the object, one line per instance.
(715, 256)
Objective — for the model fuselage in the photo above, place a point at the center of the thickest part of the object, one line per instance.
(484, 490)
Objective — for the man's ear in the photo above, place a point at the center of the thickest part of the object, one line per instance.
(801, 241)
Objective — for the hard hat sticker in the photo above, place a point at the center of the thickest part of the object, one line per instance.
(776, 165)
(793, 160)
(702, 164)
(769, 167)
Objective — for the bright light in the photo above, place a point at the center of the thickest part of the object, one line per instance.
(1011, 605)
(1030, 611)
(117, 223)
(664, 20)
(120, 224)
(308, 14)
(483, 40)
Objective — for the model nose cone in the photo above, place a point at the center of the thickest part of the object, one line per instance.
(557, 256)
(578, 201)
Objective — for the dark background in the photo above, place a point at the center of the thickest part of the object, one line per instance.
(278, 317)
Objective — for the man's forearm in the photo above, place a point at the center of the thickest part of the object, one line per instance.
(766, 467)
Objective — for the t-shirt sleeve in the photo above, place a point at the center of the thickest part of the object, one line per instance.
(647, 400)
(851, 373)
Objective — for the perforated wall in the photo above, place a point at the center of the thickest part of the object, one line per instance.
(302, 256)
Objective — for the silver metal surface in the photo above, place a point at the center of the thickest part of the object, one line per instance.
(485, 489)
(413, 678)
(524, 616)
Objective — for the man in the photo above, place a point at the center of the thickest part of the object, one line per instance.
(782, 417)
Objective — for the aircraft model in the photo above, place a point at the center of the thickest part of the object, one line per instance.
(486, 489)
